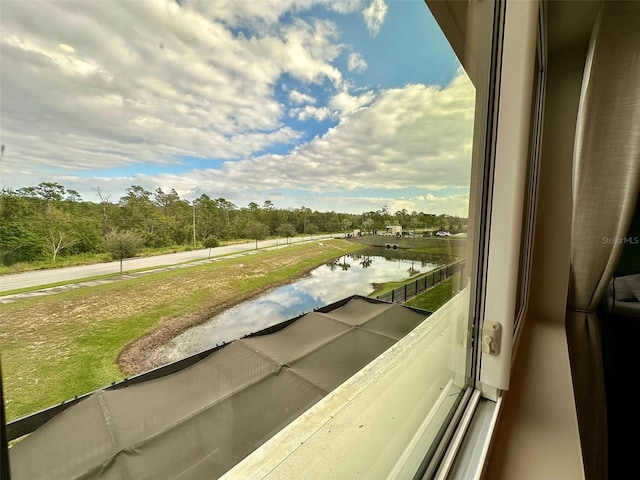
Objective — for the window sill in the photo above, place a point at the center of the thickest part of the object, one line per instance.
(536, 435)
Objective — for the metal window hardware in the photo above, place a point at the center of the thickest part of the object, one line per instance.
(491, 335)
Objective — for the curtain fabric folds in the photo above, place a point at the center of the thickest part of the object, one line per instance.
(605, 188)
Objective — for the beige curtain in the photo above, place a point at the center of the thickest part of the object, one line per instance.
(605, 189)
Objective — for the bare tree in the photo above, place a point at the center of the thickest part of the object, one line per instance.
(104, 200)
(59, 231)
(57, 242)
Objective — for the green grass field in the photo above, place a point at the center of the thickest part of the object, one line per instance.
(435, 297)
(55, 347)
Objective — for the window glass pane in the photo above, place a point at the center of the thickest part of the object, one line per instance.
(287, 156)
(528, 218)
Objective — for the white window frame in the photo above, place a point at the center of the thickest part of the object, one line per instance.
(512, 134)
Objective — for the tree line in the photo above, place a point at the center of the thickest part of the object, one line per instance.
(47, 221)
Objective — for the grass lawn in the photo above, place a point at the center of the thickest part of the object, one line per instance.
(55, 347)
(382, 288)
(435, 297)
(455, 247)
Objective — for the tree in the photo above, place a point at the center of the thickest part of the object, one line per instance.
(121, 245)
(59, 232)
(18, 243)
(166, 200)
(287, 230)
(73, 196)
(346, 223)
(256, 230)
(414, 223)
(367, 224)
(302, 213)
(312, 228)
(104, 201)
(268, 205)
(50, 191)
(58, 241)
(142, 215)
(19, 240)
(210, 242)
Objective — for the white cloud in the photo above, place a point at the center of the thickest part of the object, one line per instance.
(256, 14)
(374, 15)
(450, 204)
(299, 97)
(179, 83)
(307, 51)
(346, 103)
(412, 137)
(349, 6)
(356, 63)
(308, 111)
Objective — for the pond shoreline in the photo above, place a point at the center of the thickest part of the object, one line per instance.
(139, 355)
(167, 342)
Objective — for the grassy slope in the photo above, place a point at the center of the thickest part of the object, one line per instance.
(62, 345)
(433, 298)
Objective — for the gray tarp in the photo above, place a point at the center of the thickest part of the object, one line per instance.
(199, 422)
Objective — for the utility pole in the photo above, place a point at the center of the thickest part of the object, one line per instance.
(194, 222)
(1, 157)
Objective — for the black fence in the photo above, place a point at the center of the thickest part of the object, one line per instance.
(414, 287)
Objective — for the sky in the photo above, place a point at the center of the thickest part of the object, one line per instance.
(345, 106)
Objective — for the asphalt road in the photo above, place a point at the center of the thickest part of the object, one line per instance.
(69, 274)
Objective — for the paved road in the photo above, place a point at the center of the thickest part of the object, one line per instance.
(69, 274)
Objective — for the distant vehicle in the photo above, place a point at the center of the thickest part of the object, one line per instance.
(442, 233)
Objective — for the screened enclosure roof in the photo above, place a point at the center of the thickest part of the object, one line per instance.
(200, 421)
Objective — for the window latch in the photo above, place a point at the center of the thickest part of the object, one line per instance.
(491, 335)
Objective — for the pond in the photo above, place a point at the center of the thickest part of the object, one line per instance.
(349, 275)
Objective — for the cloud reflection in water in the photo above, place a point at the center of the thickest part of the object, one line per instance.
(329, 283)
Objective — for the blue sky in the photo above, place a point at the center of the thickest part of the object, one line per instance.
(344, 106)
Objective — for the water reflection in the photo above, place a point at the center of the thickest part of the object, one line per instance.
(341, 278)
